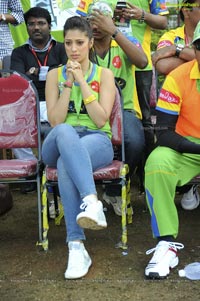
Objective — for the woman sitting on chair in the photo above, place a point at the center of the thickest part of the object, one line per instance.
(80, 98)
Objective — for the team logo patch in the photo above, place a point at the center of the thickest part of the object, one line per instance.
(95, 86)
(164, 44)
(117, 63)
(169, 97)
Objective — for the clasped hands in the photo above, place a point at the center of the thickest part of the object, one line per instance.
(74, 71)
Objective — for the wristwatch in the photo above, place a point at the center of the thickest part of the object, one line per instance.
(32, 70)
(179, 48)
(141, 20)
(115, 33)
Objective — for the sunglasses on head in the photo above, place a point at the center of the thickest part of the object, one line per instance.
(197, 46)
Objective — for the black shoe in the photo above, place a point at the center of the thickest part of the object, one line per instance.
(28, 188)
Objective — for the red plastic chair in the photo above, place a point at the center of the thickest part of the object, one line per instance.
(20, 128)
(115, 173)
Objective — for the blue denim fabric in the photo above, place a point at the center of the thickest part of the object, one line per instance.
(76, 152)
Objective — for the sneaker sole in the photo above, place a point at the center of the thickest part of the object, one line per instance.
(156, 275)
(88, 223)
(189, 207)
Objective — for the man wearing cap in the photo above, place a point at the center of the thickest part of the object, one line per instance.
(120, 53)
(176, 159)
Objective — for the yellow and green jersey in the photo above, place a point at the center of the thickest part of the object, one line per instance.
(77, 112)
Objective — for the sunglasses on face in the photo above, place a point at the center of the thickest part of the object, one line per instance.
(197, 46)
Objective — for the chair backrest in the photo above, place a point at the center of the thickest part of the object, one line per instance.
(19, 111)
(116, 120)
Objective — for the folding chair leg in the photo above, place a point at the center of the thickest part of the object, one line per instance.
(60, 215)
(39, 209)
(126, 206)
(128, 202)
(123, 220)
(45, 223)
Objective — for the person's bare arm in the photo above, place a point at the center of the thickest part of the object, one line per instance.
(99, 111)
(133, 12)
(165, 59)
(135, 54)
(57, 105)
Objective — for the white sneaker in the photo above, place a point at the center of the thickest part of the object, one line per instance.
(115, 201)
(164, 258)
(191, 199)
(79, 261)
(93, 217)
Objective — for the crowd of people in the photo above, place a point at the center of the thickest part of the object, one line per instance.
(104, 43)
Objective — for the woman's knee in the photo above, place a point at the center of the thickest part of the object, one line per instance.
(63, 129)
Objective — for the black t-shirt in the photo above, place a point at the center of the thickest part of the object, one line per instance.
(22, 59)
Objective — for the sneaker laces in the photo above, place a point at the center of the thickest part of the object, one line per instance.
(83, 205)
(159, 249)
(86, 203)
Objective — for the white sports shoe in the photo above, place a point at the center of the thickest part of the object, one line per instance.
(115, 201)
(93, 216)
(191, 199)
(79, 261)
(164, 258)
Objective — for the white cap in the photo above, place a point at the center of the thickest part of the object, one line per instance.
(181, 273)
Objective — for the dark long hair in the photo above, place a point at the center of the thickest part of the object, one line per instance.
(81, 24)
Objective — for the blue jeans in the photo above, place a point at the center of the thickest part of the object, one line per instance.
(76, 152)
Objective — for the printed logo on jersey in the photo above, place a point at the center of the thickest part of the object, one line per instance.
(164, 43)
(169, 97)
(82, 4)
(116, 62)
(95, 86)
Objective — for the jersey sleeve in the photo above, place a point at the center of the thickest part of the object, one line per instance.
(169, 99)
(159, 7)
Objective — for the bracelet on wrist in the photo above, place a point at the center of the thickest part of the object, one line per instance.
(68, 84)
(142, 17)
(89, 99)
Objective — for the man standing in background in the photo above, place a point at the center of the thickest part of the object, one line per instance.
(144, 15)
(11, 12)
